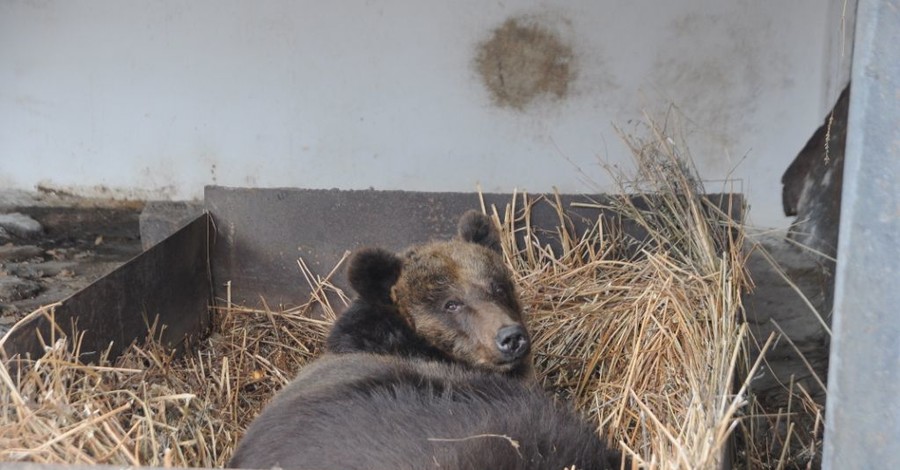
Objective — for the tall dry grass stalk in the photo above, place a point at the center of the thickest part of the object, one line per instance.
(642, 334)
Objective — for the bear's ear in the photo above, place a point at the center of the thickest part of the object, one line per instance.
(475, 227)
(372, 272)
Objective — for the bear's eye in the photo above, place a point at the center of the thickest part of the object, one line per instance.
(497, 289)
(452, 305)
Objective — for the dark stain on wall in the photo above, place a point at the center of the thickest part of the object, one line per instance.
(522, 61)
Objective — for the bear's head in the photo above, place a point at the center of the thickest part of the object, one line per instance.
(457, 296)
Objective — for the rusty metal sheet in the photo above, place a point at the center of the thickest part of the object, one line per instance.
(170, 282)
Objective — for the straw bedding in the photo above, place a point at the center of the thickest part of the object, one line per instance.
(643, 336)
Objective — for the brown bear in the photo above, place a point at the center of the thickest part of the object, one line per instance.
(453, 301)
(428, 368)
(374, 411)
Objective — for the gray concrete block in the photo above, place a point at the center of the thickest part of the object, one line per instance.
(35, 271)
(159, 219)
(20, 225)
(9, 253)
(13, 288)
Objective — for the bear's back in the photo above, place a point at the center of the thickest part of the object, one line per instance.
(369, 411)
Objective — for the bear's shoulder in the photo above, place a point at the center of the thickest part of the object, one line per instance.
(377, 328)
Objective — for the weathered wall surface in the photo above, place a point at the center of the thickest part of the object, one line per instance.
(156, 99)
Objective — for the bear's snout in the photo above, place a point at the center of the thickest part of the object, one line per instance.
(512, 342)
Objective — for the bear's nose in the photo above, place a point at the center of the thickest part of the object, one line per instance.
(512, 342)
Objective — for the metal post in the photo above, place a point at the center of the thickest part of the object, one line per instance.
(862, 421)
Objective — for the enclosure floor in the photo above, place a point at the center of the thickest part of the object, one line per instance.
(775, 307)
(81, 241)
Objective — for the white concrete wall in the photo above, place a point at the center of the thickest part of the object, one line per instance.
(158, 98)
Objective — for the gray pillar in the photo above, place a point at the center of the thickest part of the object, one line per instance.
(862, 421)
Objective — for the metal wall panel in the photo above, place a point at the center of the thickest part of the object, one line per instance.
(862, 422)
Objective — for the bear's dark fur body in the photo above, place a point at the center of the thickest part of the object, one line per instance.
(428, 368)
(361, 411)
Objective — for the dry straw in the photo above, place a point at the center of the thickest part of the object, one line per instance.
(150, 408)
(642, 335)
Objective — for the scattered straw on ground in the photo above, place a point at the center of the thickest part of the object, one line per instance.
(643, 336)
(150, 408)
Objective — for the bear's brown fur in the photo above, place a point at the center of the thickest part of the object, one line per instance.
(451, 300)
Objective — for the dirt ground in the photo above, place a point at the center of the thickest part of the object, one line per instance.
(78, 242)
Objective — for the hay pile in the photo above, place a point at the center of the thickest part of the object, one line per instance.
(641, 335)
(149, 408)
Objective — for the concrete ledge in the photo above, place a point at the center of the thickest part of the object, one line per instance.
(160, 219)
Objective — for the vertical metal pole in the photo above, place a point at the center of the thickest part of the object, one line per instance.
(862, 421)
